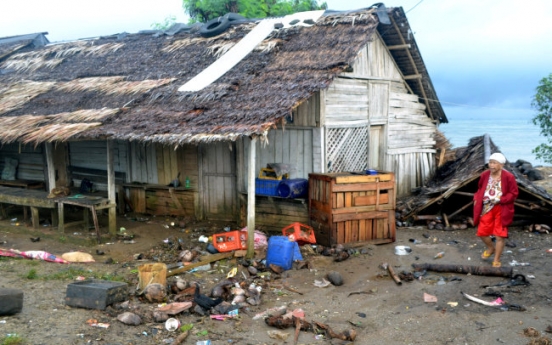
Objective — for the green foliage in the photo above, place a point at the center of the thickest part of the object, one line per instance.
(542, 102)
(167, 23)
(204, 10)
(12, 339)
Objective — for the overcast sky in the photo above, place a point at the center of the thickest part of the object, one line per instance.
(485, 57)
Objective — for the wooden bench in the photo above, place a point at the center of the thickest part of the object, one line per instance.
(27, 184)
(32, 198)
(89, 204)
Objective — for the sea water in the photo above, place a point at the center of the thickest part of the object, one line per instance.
(515, 137)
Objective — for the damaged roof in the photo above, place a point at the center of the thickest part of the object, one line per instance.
(125, 87)
(450, 190)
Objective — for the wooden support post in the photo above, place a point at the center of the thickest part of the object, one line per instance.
(50, 166)
(110, 191)
(251, 199)
(35, 217)
(61, 223)
(445, 218)
(86, 217)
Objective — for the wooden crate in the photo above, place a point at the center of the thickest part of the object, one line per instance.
(345, 208)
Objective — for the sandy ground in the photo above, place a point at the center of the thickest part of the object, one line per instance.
(382, 313)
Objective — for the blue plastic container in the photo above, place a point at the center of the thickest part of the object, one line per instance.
(282, 252)
(266, 187)
(293, 188)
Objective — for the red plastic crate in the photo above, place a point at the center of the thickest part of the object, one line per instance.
(231, 240)
(299, 233)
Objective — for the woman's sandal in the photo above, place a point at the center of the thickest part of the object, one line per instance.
(486, 255)
(497, 264)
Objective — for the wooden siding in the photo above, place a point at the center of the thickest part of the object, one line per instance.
(274, 214)
(289, 145)
(143, 163)
(218, 184)
(411, 145)
(307, 114)
(379, 102)
(375, 62)
(93, 155)
(31, 161)
(411, 169)
(347, 103)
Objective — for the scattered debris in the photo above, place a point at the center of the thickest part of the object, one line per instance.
(474, 270)
(429, 298)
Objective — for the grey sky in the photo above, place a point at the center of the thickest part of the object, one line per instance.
(485, 57)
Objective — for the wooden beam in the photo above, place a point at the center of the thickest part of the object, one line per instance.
(426, 100)
(50, 166)
(399, 46)
(413, 76)
(111, 189)
(251, 198)
(207, 260)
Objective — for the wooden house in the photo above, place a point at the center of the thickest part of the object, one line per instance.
(348, 93)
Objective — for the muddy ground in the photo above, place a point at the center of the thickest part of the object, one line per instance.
(383, 313)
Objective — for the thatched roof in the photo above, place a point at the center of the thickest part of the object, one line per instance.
(449, 189)
(125, 87)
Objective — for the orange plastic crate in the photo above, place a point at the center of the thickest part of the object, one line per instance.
(299, 233)
(231, 240)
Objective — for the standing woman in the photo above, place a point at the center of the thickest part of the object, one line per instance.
(493, 208)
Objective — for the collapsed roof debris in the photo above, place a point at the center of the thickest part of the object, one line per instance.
(449, 193)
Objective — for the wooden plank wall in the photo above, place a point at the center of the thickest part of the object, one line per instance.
(170, 202)
(307, 114)
(346, 103)
(289, 145)
(31, 161)
(274, 214)
(143, 163)
(93, 155)
(375, 62)
(411, 145)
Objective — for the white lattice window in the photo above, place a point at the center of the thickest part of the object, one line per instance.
(347, 149)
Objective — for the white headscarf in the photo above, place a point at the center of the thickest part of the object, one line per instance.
(499, 157)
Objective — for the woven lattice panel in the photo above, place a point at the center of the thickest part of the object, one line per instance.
(347, 149)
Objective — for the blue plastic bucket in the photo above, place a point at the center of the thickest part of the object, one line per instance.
(293, 188)
(282, 252)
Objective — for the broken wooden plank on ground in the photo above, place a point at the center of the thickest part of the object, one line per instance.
(207, 260)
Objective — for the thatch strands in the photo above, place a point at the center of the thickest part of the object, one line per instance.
(180, 44)
(38, 128)
(133, 87)
(113, 85)
(84, 115)
(87, 84)
(267, 46)
(13, 127)
(358, 16)
(103, 49)
(18, 94)
(32, 64)
(52, 56)
(57, 132)
(219, 49)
